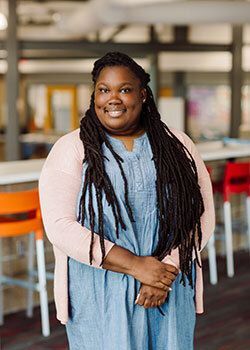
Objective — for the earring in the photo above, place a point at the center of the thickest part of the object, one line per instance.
(144, 100)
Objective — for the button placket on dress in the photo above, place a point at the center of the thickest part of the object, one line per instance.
(136, 156)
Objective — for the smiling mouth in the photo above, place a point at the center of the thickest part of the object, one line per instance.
(115, 113)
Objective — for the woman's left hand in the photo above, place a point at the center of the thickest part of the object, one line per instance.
(151, 296)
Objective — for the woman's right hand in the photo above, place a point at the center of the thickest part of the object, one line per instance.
(148, 270)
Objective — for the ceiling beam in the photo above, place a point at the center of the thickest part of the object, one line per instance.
(87, 49)
(135, 47)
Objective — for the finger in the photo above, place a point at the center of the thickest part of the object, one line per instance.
(147, 303)
(137, 298)
(163, 286)
(170, 276)
(167, 281)
(172, 269)
(154, 301)
(159, 302)
(140, 300)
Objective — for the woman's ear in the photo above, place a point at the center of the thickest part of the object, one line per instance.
(144, 95)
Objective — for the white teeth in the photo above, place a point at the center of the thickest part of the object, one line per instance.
(115, 114)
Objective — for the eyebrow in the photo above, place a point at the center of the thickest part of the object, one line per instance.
(122, 84)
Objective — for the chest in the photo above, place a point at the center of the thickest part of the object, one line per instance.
(138, 167)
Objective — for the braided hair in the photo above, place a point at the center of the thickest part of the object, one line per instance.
(179, 200)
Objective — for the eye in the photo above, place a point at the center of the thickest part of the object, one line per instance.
(102, 89)
(126, 90)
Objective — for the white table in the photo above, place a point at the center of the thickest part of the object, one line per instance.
(15, 172)
(223, 152)
(20, 171)
(39, 138)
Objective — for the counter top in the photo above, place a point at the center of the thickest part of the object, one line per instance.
(29, 170)
(20, 171)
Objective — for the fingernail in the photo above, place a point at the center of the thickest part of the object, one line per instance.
(137, 298)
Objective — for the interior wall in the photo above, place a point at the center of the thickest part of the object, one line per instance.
(2, 102)
(166, 80)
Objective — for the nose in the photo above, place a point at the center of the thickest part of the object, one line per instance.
(114, 98)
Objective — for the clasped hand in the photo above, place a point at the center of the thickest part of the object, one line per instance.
(156, 279)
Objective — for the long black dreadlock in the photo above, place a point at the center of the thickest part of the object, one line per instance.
(179, 200)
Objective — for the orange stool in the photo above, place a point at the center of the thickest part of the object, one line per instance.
(25, 203)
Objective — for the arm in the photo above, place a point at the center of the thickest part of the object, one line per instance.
(59, 186)
(208, 217)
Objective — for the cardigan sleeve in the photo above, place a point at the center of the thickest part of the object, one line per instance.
(208, 217)
(59, 186)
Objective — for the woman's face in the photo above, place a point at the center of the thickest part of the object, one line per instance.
(118, 100)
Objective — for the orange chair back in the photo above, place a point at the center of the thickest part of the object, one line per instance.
(26, 203)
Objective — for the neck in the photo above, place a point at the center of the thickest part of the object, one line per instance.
(129, 134)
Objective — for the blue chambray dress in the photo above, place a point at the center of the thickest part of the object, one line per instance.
(102, 310)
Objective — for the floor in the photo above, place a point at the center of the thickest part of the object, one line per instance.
(224, 326)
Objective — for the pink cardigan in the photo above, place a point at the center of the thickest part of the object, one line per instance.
(59, 186)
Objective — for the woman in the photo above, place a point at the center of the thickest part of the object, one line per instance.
(127, 204)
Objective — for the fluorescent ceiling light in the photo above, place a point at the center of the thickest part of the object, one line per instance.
(3, 21)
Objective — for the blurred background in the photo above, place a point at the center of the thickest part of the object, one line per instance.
(198, 55)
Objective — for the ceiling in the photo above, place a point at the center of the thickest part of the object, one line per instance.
(85, 19)
(126, 21)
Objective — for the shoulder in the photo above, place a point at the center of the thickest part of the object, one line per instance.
(71, 139)
(192, 149)
(67, 153)
(184, 138)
